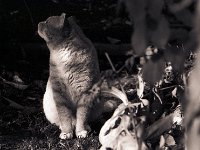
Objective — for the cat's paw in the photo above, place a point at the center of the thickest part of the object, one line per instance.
(82, 134)
(65, 136)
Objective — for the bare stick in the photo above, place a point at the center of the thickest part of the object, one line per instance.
(15, 85)
(29, 11)
(114, 70)
(13, 104)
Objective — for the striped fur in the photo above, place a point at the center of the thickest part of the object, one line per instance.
(73, 71)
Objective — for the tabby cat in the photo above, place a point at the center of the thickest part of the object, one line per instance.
(73, 70)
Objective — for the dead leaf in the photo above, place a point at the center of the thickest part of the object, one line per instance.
(174, 92)
(117, 93)
(169, 140)
(17, 79)
(181, 5)
(193, 136)
(176, 56)
(136, 10)
(120, 129)
(155, 13)
(162, 142)
(138, 40)
(140, 87)
(127, 143)
(130, 62)
(153, 70)
(145, 102)
(159, 127)
(178, 116)
(113, 40)
(160, 36)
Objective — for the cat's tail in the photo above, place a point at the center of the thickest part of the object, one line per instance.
(108, 100)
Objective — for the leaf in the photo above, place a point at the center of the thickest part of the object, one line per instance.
(193, 90)
(159, 127)
(117, 93)
(186, 17)
(156, 95)
(55, 1)
(140, 88)
(136, 10)
(118, 126)
(181, 5)
(153, 70)
(161, 35)
(113, 40)
(176, 56)
(178, 117)
(145, 102)
(168, 73)
(13, 104)
(105, 148)
(138, 40)
(127, 143)
(155, 9)
(17, 85)
(193, 135)
(17, 79)
(174, 92)
(108, 135)
(169, 140)
(162, 141)
(130, 62)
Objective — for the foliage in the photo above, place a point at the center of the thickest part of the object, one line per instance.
(145, 118)
(152, 28)
(166, 86)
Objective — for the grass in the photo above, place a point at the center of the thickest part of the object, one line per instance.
(28, 129)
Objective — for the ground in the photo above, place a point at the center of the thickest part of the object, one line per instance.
(29, 129)
(24, 126)
(24, 69)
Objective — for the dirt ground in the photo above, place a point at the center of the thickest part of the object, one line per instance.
(28, 128)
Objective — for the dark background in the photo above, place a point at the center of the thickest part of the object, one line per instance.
(103, 21)
(23, 50)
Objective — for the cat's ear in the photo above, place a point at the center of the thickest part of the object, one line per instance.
(63, 16)
(65, 21)
(66, 26)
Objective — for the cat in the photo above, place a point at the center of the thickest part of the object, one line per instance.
(73, 70)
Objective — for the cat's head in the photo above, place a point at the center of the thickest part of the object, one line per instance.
(54, 29)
